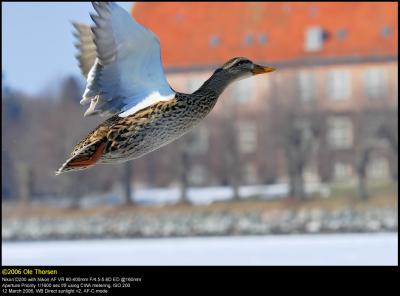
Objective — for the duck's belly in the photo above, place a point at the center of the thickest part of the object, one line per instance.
(145, 138)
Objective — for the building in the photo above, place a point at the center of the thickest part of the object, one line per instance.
(324, 52)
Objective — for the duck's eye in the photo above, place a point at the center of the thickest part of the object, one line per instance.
(241, 63)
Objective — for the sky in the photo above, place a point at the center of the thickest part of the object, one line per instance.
(38, 45)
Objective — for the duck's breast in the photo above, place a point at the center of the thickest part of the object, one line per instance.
(149, 129)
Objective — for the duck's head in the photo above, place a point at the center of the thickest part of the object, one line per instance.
(233, 70)
(239, 68)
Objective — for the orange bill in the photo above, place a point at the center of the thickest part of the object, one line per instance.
(261, 70)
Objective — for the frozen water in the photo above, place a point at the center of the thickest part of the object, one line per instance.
(325, 249)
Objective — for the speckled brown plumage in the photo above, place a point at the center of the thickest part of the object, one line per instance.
(133, 136)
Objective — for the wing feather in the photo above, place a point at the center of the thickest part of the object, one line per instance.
(87, 49)
(127, 68)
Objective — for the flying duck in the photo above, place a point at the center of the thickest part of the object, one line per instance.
(121, 61)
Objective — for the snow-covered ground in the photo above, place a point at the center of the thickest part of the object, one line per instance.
(327, 249)
(196, 195)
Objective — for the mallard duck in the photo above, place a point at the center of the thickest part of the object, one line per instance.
(125, 80)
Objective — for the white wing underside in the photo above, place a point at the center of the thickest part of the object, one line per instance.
(126, 73)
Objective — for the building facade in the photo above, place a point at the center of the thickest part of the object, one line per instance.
(329, 59)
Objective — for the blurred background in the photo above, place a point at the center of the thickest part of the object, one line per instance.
(308, 149)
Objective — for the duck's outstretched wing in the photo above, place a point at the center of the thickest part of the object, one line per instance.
(87, 49)
(127, 74)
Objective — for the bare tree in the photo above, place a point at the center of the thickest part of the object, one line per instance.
(45, 136)
(184, 166)
(361, 167)
(128, 191)
(388, 130)
(231, 156)
(12, 113)
(299, 148)
(374, 125)
(295, 127)
(151, 169)
(39, 133)
(25, 181)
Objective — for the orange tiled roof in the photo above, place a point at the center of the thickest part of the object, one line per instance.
(188, 30)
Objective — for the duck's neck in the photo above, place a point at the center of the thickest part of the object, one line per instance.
(201, 102)
(216, 83)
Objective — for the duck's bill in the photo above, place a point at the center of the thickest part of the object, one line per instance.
(261, 70)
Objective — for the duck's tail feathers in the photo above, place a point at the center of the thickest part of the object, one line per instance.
(83, 159)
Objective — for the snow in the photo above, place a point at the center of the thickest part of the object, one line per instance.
(326, 249)
(199, 195)
(207, 195)
(171, 195)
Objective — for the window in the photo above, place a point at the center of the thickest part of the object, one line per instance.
(341, 33)
(199, 140)
(248, 39)
(306, 85)
(250, 174)
(339, 85)
(342, 171)
(286, 8)
(386, 31)
(247, 132)
(178, 17)
(374, 82)
(214, 41)
(262, 38)
(197, 174)
(313, 11)
(340, 132)
(244, 90)
(314, 39)
(378, 169)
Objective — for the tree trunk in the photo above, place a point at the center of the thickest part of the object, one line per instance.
(295, 172)
(184, 167)
(128, 184)
(25, 178)
(231, 156)
(298, 190)
(151, 171)
(291, 185)
(362, 165)
(235, 185)
(76, 198)
(362, 188)
(232, 160)
(395, 169)
(232, 168)
(296, 185)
